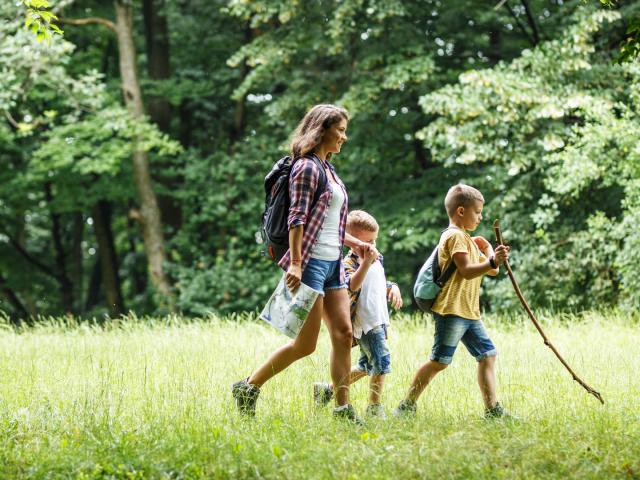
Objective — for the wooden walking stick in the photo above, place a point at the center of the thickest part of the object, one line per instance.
(496, 229)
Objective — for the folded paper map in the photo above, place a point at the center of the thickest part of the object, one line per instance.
(288, 311)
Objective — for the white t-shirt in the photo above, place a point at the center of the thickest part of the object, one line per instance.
(327, 246)
(371, 310)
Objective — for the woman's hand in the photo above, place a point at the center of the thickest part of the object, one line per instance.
(394, 297)
(293, 277)
(360, 249)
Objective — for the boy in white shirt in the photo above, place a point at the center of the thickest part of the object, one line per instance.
(368, 291)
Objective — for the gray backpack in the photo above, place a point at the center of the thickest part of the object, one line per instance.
(430, 281)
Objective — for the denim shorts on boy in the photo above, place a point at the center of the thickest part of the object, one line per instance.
(322, 275)
(451, 329)
(375, 358)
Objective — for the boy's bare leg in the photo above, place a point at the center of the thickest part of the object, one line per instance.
(375, 389)
(423, 376)
(487, 381)
(301, 346)
(355, 375)
(337, 317)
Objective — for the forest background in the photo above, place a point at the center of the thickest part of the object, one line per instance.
(133, 147)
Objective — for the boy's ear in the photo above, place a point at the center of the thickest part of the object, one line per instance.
(460, 210)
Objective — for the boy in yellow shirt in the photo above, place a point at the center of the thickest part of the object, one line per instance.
(456, 310)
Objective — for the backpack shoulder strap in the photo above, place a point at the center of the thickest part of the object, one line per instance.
(446, 275)
(322, 179)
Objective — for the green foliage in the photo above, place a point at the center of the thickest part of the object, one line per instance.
(630, 46)
(438, 94)
(39, 20)
(68, 145)
(559, 125)
(219, 265)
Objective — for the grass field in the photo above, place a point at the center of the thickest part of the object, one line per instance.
(151, 399)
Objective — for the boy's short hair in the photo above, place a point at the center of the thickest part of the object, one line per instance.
(461, 195)
(362, 220)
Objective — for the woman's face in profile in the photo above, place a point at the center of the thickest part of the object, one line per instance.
(335, 136)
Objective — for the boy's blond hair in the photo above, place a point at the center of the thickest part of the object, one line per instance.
(461, 195)
(359, 219)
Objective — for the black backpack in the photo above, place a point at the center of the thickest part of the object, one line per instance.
(274, 227)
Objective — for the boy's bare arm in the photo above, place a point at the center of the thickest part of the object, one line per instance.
(394, 296)
(487, 250)
(370, 256)
(470, 270)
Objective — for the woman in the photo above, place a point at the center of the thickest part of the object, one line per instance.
(316, 238)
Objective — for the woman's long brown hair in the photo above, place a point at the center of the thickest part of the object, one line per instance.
(310, 131)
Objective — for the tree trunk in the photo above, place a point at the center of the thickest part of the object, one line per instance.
(149, 213)
(93, 292)
(66, 286)
(239, 113)
(101, 213)
(158, 64)
(494, 52)
(76, 258)
(137, 273)
(185, 123)
(159, 68)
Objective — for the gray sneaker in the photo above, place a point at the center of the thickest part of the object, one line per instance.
(375, 410)
(497, 412)
(348, 413)
(246, 396)
(406, 409)
(322, 394)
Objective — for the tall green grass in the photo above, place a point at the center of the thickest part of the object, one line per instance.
(145, 398)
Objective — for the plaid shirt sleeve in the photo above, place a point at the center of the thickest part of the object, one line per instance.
(302, 186)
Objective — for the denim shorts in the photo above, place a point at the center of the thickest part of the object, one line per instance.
(451, 329)
(322, 275)
(375, 358)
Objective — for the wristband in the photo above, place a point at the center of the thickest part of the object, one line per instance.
(296, 262)
(492, 262)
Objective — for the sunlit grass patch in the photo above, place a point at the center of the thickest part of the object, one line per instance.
(151, 399)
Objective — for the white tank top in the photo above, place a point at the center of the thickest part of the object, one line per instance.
(327, 246)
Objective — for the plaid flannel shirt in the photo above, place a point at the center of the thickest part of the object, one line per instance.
(351, 264)
(303, 183)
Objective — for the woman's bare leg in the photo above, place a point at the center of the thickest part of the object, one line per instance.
(337, 317)
(301, 346)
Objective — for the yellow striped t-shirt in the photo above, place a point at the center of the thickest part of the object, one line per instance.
(459, 296)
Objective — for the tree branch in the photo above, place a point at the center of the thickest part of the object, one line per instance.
(31, 259)
(89, 21)
(532, 41)
(17, 304)
(499, 4)
(532, 21)
(135, 214)
(11, 120)
(527, 308)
